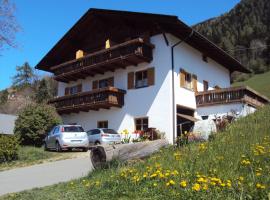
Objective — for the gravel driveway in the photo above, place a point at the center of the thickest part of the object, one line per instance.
(45, 174)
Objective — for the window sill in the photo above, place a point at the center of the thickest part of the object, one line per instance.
(189, 89)
(138, 87)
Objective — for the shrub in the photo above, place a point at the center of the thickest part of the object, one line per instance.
(9, 145)
(33, 122)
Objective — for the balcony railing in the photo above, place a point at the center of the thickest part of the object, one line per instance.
(230, 95)
(121, 55)
(104, 98)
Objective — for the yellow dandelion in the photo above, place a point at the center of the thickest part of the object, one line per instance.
(258, 174)
(205, 187)
(169, 183)
(183, 184)
(241, 178)
(196, 187)
(260, 186)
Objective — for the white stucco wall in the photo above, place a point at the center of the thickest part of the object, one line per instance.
(240, 109)
(190, 59)
(153, 101)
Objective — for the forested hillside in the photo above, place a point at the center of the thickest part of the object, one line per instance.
(26, 88)
(244, 33)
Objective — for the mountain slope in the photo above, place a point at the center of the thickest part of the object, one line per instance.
(259, 82)
(243, 32)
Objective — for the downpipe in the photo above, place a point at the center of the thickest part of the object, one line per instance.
(173, 85)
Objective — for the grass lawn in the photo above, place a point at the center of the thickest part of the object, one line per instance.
(259, 82)
(234, 165)
(33, 155)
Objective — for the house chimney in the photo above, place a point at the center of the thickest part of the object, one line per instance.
(79, 54)
(107, 44)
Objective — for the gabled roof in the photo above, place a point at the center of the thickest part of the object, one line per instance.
(96, 24)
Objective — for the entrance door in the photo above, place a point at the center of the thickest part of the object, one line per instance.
(185, 119)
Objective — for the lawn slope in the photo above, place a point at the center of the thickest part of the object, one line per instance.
(234, 165)
(28, 155)
(260, 83)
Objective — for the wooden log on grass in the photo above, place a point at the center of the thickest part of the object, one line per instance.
(103, 154)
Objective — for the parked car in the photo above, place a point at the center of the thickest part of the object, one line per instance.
(103, 135)
(66, 137)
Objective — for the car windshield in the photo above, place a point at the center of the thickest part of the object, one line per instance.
(73, 129)
(109, 131)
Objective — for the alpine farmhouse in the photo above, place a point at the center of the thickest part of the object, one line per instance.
(134, 71)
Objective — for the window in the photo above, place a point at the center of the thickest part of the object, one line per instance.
(93, 132)
(109, 131)
(103, 83)
(141, 79)
(73, 90)
(141, 124)
(188, 80)
(205, 117)
(73, 129)
(52, 131)
(102, 124)
(56, 130)
(205, 85)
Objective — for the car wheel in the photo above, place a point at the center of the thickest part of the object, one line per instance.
(58, 147)
(45, 147)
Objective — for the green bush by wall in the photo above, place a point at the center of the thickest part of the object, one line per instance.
(9, 145)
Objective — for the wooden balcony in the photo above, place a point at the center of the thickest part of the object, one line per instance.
(121, 55)
(104, 98)
(231, 95)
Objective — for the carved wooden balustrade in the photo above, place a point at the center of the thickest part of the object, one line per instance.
(104, 98)
(230, 95)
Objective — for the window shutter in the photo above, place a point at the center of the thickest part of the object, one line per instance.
(205, 85)
(194, 83)
(151, 76)
(131, 80)
(111, 82)
(79, 88)
(66, 91)
(95, 85)
(182, 78)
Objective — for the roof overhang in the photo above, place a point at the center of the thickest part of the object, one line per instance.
(156, 23)
(187, 117)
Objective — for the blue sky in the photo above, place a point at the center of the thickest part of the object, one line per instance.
(43, 23)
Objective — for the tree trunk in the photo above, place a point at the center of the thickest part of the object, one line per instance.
(100, 155)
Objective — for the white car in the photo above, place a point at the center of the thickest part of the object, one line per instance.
(66, 137)
(103, 136)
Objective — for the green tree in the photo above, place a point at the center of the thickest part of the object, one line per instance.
(3, 96)
(24, 77)
(33, 122)
(43, 93)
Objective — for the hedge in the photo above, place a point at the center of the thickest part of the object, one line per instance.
(34, 122)
(9, 145)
